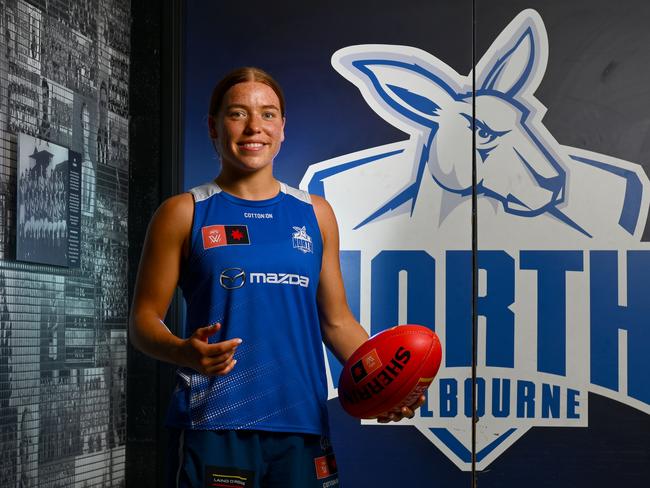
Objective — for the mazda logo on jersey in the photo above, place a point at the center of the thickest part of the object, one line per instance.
(232, 278)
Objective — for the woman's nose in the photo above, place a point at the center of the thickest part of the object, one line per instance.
(253, 124)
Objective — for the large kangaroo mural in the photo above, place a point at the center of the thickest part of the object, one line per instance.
(404, 210)
(522, 171)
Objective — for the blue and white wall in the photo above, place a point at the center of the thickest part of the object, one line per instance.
(385, 118)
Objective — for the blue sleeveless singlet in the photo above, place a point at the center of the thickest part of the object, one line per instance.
(254, 267)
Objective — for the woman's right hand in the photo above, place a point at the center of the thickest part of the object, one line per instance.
(165, 249)
(209, 359)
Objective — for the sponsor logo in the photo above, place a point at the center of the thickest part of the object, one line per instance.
(232, 278)
(230, 477)
(331, 483)
(280, 279)
(384, 378)
(224, 235)
(366, 365)
(563, 274)
(301, 240)
(325, 466)
(258, 215)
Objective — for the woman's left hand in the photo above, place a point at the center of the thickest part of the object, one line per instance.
(405, 412)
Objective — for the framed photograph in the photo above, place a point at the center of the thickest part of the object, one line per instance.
(48, 203)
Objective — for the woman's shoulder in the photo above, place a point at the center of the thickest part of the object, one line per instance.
(177, 205)
(321, 205)
(175, 214)
(325, 217)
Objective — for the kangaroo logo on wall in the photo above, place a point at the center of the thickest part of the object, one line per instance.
(559, 230)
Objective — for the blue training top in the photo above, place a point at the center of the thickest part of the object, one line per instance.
(254, 266)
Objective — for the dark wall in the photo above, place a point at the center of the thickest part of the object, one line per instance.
(154, 172)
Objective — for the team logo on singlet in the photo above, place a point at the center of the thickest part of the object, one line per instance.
(301, 240)
(224, 235)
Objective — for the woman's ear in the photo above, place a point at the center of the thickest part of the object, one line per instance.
(212, 127)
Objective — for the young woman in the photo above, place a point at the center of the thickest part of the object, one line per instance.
(258, 264)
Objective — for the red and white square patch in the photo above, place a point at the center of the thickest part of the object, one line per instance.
(371, 361)
(214, 236)
(325, 466)
(322, 469)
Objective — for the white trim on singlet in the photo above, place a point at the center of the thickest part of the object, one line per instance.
(206, 190)
(301, 195)
(181, 449)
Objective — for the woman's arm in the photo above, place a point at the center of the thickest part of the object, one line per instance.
(341, 331)
(166, 245)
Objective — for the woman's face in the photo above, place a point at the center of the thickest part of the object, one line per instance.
(249, 127)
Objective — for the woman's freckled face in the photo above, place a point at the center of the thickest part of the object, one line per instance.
(249, 128)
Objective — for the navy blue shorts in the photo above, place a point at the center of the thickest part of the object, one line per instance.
(250, 459)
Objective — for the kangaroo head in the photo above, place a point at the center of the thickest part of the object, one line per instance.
(517, 163)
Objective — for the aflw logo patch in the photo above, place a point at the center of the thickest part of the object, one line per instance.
(224, 235)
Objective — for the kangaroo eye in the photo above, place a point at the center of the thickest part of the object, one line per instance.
(485, 136)
(484, 133)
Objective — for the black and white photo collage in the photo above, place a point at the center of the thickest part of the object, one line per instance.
(64, 151)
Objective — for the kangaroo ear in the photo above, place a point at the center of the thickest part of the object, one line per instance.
(406, 94)
(516, 61)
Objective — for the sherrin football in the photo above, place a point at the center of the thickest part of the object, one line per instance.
(390, 370)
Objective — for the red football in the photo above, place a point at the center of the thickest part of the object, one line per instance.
(389, 370)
